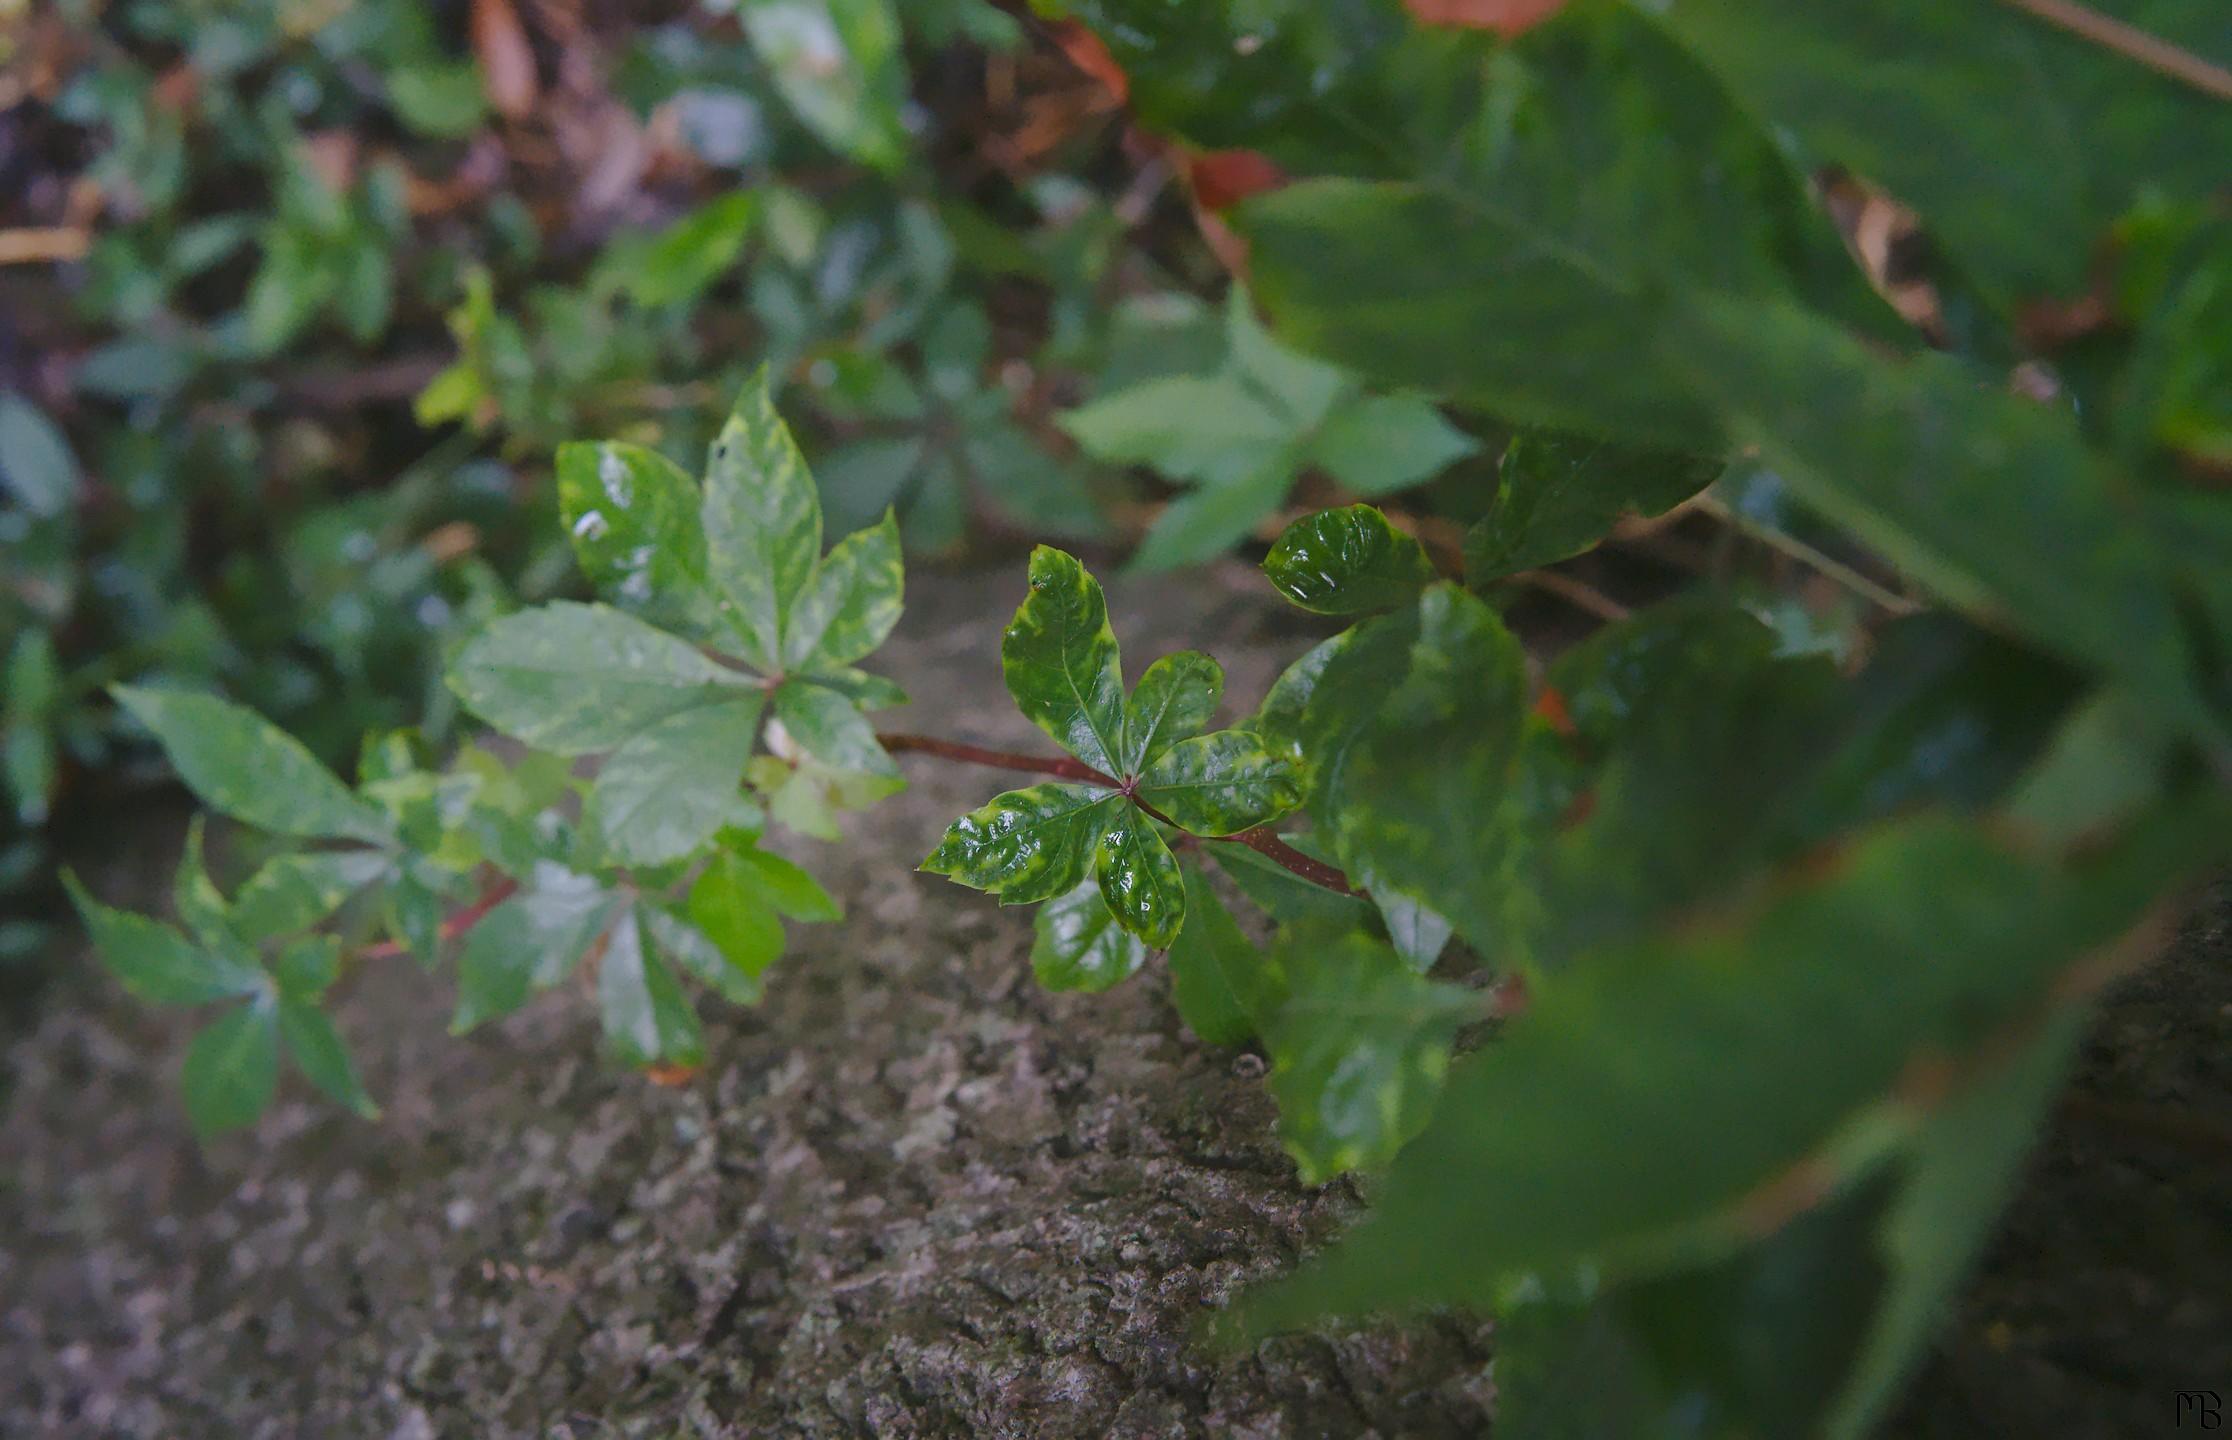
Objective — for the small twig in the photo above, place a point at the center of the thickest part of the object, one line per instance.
(37, 246)
(2134, 44)
(1806, 555)
(455, 925)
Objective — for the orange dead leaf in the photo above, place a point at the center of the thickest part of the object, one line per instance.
(507, 60)
(1505, 17)
(1086, 51)
(1222, 178)
(673, 1077)
(1551, 706)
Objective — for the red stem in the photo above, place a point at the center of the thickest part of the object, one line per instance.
(455, 925)
(1262, 839)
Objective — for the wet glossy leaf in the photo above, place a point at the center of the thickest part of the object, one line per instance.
(633, 516)
(1220, 783)
(1359, 1045)
(231, 1069)
(1060, 659)
(763, 523)
(1078, 945)
(573, 679)
(154, 961)
(242, 765)
(1172, 701)
(665, 791)
(1342, 562)
(322, 1056)
(1557, 495)
(1139, 877)
(647, 1017)
(1027, 845)
(853, 603)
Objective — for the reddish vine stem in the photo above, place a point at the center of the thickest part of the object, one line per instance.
(456, 925)
(1262, 839)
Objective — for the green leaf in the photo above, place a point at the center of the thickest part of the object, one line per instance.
(291, 893)
(1220, 783)
(1077, 944)
(693, 252)
(663, 793)
(1060, 659)
(647, 1018)
(1342, 562)
(839, 66)
(1378, 444)
(36, 465)
(1201, 526)
(734, 906)
(1418, 932)
(413, 912)
(1285, 896)
(154, 961)
(1302, 387)
(231, 1069)
(1557, 495)
(633, 516)
(1279, 718)
(242, 765)
(2020, 142)
(308, 966)
(1359, 1045)
(763, 523)
(323, 1056)
(831, 729)
(789, 888)
(445, 101)
(677, 940)
(1138, 877)
(531, 941)
(1218, 979)
(869, 692)
(1027, 845)
(1417, 803)
(1991, 499)
(1172, 701)
(572, 679)
(1208, 430)
(853, 603)
(1744, 1051)
(198, 900)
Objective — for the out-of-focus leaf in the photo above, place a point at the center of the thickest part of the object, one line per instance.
(633, 516)
(853, 602)
(36, 465)
(1377, 444)
(763, 523)
(530, 941)
(838, 65)
(693, 252)
(290, 893)
(231, 1069)
(244, 766)
(154, 961)
(734, 906)
(831, 729)
(323, 1056)
(647, 1017)
(1220, 982)
(1557, 495)
(665, 791)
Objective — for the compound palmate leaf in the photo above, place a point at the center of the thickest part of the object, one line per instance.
(633, 517)
(763, 524)
(1220, 783)
(1078, 945)
(244, 766)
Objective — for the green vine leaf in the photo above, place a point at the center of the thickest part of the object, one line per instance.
(1062, 665)
(1077, 944)
(763, 523)
(322, 1056)
(1343, 562)
(733, 905)
(647, 1018)
(854, 601)
(1220, 784)
(575, 679)
(1219, 980)
(231, 1069)
(1359, 1044)
(1139, 878)
(530, 942)
(1172, 701)
(633, 516)
(831, 728)
(242, 765)
(698, 954)
(290, 893)
(157, 963)
(1028, 845)
(1558, 494)
(662, 794)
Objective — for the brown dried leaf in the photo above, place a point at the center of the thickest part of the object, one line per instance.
(1505, 17)
(507, 60)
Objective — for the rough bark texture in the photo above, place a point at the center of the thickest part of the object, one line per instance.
(912, 1195)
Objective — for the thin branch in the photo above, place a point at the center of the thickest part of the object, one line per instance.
(1060, 767)
(1807, 555)
(2134, 44)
